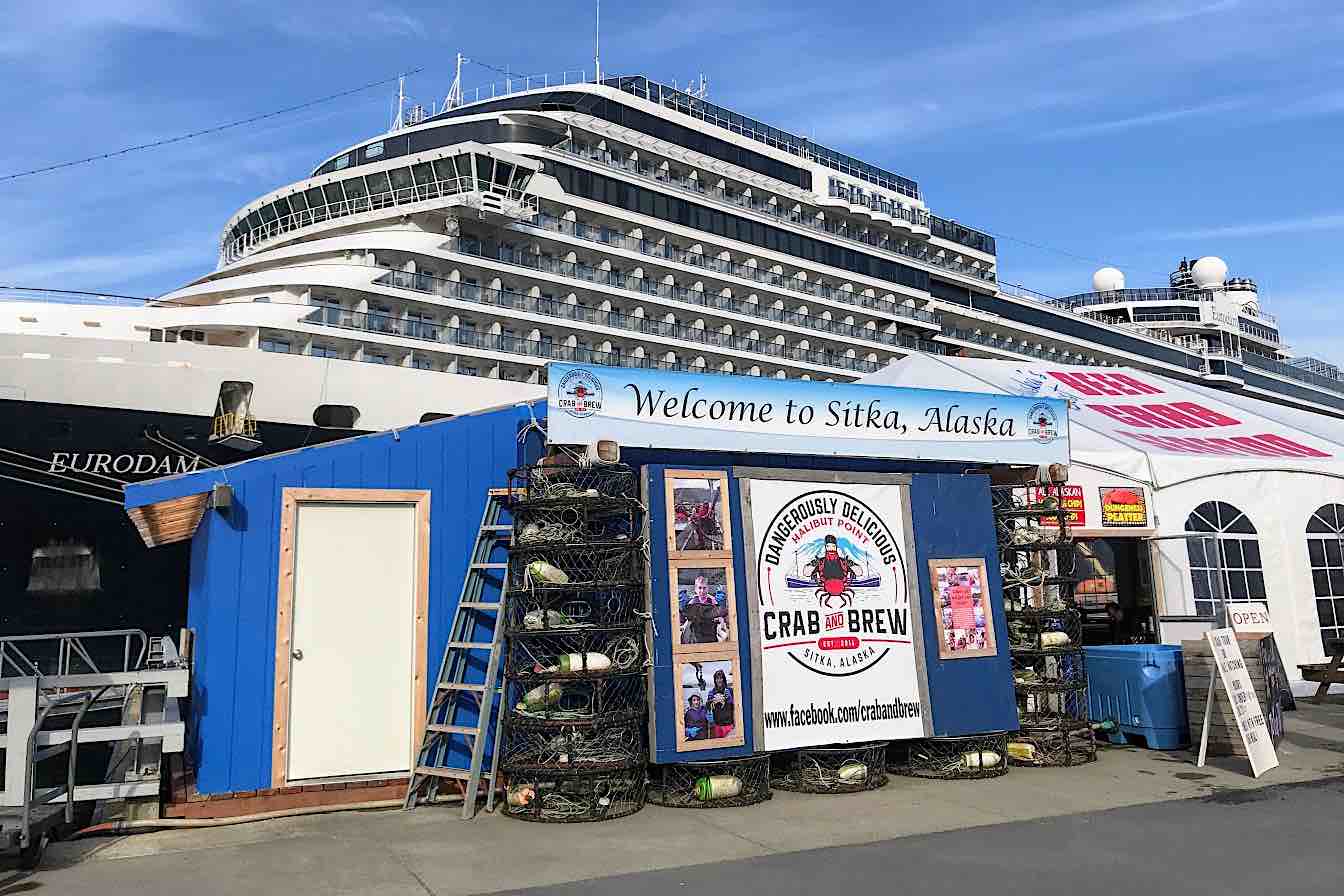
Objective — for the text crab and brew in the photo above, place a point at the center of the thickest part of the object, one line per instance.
(830, 714)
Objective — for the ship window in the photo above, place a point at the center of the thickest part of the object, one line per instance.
(326, 351)
(333, 193)
(343, 161)
(373, 150)
(315, 198)
(64, 567)
(275, 345)
(376, 359)
(354, 188)
(424, 174)
(401, 178)
(377, 182)
(431, 417)
(281, 207)
(336, 416)
(155, 335)
(443, 169)
(298, 202)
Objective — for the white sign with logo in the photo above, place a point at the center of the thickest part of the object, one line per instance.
(1246, 709)
(1249, 617)
(836, 630)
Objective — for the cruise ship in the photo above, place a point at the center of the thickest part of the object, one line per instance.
(437, 267)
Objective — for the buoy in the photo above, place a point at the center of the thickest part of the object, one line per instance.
(545, 619)
(1023, 751)
(584, 662)
(543, 696)
(520, 795)
(981, 759)
(546, 574)
(852, 772)
(717, 787)
(1054, 639)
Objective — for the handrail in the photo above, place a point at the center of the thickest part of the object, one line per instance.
(70, 645)
(30, 767)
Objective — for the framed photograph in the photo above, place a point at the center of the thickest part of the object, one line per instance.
(962, 609)
(704, 608)
(709, 708)
(698, 523)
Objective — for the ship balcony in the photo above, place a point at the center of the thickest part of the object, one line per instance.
(762, 275)
(824, 364)
(649, 287)
(791, 213)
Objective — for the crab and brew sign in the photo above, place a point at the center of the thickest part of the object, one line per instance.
(836, 633)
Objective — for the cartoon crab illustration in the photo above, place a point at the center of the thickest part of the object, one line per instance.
(833, 574)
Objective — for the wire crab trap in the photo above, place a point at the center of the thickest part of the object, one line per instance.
(575, 748)
(560, 567)
(1051, 706)
(592, 653)
(717, 784)
(561, 798)
(1045, 630)
(559, 700)
(569, 609)
(1049, 669)
(952, 758)
(575, 522)
(561, 483)
(848, 768)
(1071, 744)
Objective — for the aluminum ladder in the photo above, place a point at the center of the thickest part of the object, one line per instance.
(449, 724)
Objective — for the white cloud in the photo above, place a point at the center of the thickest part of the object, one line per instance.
(97, 271)
(1099, 128)
(1304, 224)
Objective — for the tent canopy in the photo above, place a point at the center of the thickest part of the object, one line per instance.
(1143, 426)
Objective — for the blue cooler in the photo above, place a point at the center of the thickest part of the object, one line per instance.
(1141, 687)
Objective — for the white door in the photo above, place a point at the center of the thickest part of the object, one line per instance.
(350, 693)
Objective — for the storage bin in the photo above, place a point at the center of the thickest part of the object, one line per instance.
(1141, 687)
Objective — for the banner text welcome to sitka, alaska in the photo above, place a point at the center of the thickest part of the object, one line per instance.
(871, 415)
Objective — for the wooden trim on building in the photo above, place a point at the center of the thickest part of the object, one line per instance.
(284, 604)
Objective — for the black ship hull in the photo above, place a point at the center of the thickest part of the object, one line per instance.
(70, 559)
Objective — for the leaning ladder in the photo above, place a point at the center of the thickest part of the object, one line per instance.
(448, 725)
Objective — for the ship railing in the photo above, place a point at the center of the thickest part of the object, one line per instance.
(505, 343)
(1249, 359)
(651, 286)
(517, 301)
(610, 237)
(266, 231)
(115, 650)
(912, 249)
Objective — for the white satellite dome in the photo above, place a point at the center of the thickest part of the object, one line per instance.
(1108, 279)
(1209, 272)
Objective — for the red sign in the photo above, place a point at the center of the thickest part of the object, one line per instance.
(1070, 498)
(1124, 506)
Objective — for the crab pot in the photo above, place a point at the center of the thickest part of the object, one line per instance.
(582, 521)
(561, 797)
(952, 758)
(570, 609)
(1066, 670)
(573, 747)
(1045, 631)
(561, 483)
(557, 568)
(848, 768)
(711, 785)
(585, 653)
(558, 700)
(1051, 706)
(1068, 744)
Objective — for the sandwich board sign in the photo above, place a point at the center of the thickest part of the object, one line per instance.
(1241, 697)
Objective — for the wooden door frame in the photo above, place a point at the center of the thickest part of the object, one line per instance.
(291, 498)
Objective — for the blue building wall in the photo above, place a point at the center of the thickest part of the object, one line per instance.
(235, 564)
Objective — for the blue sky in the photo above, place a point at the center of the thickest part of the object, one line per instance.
(1128, 133)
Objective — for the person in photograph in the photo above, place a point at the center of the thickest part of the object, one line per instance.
(702, 616)
(696, 720)
(721, 706)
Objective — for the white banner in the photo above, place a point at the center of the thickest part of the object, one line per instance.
(836, 628)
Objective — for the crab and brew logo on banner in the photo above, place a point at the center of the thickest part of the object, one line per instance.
(837, 648)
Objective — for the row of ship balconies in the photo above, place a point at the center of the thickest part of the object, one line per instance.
(791, 212)
(769, 277)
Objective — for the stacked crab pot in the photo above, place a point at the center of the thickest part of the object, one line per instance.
(574, 694)
(1036, 556)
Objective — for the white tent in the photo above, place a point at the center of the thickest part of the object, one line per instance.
(1266, 481)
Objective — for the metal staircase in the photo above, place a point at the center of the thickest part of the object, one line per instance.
(462, 711)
